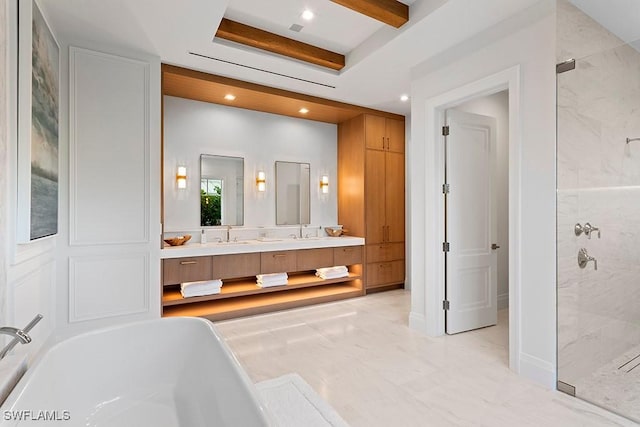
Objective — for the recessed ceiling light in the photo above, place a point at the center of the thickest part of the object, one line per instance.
(229, 97)
(303, 111)
(404, 98)
(307, 15)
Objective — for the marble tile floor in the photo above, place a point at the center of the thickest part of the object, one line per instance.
(614, 387)
(363, 359)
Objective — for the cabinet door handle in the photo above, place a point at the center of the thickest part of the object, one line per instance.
(383, 144)
(188, 262)
(388, 144)
(279, 255)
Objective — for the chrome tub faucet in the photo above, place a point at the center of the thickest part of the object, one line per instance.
(19, 335)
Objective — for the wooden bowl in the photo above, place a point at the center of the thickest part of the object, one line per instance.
(178, 240)
(334, 231)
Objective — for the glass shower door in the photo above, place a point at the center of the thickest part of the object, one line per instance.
(598, 220)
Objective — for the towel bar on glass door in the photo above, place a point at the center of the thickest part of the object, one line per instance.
(632, 139)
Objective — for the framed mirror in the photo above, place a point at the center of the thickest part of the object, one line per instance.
(292, 193)
(221, 190)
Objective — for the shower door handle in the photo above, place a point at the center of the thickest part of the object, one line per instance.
(584, 258)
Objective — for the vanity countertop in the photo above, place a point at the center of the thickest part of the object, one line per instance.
(263, 245)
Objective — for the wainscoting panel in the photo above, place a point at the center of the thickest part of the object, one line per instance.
(109, 148)
(108, 286)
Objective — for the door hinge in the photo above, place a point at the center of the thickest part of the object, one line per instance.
(445, 247)
(446, 188)
(445, 130)
(446, 305)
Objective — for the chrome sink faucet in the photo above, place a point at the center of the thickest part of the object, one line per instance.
(19, 335)
(228, 233)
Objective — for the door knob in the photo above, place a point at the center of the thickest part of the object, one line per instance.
(495, 246)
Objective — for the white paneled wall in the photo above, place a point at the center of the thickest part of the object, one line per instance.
(192, 128)
(109, 263)
(27, 271)
(599, 183)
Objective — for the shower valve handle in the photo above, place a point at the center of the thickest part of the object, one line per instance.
(584, 258)
(588, 229)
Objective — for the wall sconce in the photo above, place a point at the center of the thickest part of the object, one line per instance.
(181, 177)
(324, 184)
(261, 181)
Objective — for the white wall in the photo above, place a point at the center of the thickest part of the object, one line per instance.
(192, 128)
(109, 250)
(532, 48)
(4, 200)
(497, 106)
(27, 271)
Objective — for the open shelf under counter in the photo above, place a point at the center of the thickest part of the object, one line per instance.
(240, 288)
(265, 302)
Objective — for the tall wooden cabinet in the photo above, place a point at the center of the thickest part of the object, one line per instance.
(371, 194)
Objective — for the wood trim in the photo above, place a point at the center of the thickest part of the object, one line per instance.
(200, 86)
(264, 40)
(390, 12)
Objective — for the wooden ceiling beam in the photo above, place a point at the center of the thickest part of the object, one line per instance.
(390, 12)
(260, 39)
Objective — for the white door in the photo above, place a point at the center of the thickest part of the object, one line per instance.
(470, 229)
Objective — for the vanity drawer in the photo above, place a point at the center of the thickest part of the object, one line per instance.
(310, 259)
(347, 255)
(385, 273)
(236, 265)
(278, 262)
(385, 252)
(180, 270)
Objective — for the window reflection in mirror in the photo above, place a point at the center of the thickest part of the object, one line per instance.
(292, 193)
(221, 190)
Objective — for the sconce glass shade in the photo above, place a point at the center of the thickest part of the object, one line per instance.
(324, 184)
(261, 181)
(181, 177)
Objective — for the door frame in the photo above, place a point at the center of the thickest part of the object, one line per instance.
(433, 322)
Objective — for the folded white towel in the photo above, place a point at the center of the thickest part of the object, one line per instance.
(333, 275)
(272, 283)
(272, 276)
(336, 269)
(273, 279)
(336, 272)
(202, 288)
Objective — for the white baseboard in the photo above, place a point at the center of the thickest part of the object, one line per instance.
(503, 301)
(418, 322)
(538, 370)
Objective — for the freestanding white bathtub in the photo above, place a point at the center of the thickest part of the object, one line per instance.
(158, 373)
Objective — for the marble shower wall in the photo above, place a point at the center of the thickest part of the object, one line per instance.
(598, 182)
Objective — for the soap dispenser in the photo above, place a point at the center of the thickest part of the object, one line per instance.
(203, 237)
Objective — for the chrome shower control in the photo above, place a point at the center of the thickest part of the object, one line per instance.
(584, 258)
(588, 229)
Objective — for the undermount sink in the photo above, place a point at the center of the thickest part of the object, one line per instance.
(268, 239)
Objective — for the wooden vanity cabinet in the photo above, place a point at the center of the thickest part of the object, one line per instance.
(180, 270)
(371, 194)
(278, 262)
(236, 265)
(240, 295)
